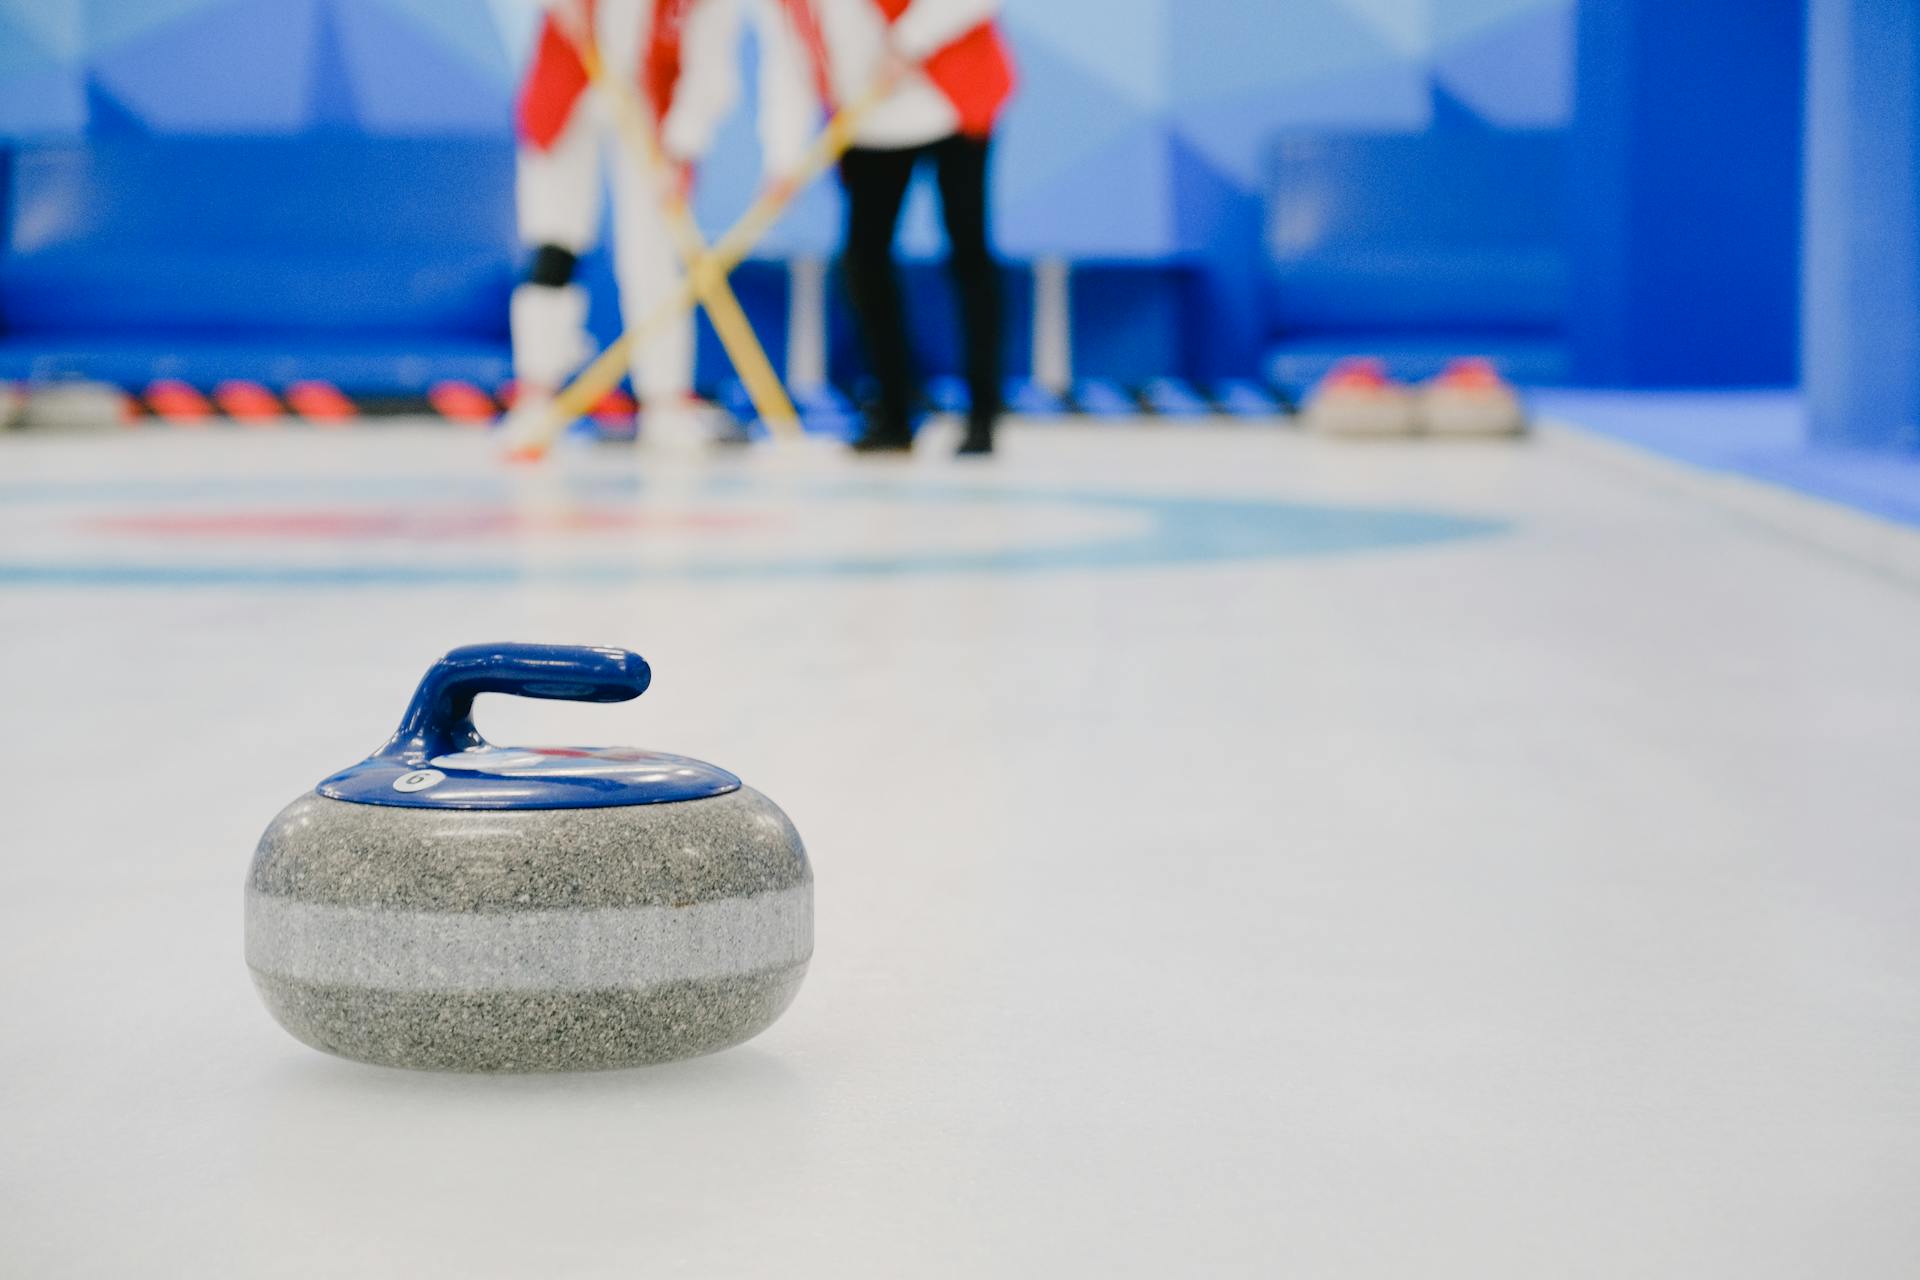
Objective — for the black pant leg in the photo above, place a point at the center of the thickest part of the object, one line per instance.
(875, 182)
(961, 164)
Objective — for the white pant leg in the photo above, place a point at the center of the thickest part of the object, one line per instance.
(548, 328)
(643, 258)
(649, 272)
(559, 194)
(558, 190)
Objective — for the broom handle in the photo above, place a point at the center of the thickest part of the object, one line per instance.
(723, 308)
(604, 373)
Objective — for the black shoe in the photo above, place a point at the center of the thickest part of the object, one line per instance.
(978, 441)
(882, 442)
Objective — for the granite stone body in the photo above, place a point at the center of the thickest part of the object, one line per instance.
(529, 940)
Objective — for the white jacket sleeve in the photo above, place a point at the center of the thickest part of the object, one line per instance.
(571, 15)
(789, 98)
(929, 26)
(709, 81)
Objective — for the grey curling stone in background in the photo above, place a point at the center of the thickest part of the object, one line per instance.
(452, 905)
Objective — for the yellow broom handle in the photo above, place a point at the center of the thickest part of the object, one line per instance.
(601, 376)
(723, 308)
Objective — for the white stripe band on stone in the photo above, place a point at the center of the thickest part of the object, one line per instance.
(541, 950)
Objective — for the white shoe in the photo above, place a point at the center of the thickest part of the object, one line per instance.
(527, 424)
(1357, 398)
(1470, 398)
(681, 426)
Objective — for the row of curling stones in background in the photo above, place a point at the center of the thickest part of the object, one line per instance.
(1469, 398)
(451, 905)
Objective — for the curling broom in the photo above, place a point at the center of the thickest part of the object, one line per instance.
(601, 376)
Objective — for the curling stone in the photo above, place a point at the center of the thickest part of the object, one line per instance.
(451, 905)
(1357, 398)
(1470, 398)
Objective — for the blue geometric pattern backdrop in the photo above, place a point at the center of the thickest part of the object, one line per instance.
(1138, 134)
(250, 67)
(1118, 97)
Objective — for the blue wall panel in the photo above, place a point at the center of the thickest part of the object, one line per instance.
(1862, 272)
(320, 238)
(1684, 217)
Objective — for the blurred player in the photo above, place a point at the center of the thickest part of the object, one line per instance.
(681, 54)
(949, 73)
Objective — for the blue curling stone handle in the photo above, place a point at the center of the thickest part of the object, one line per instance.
(437, 759)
